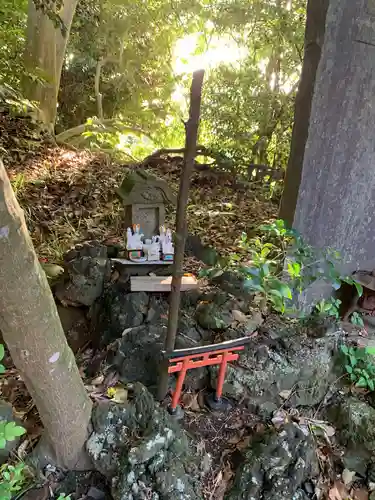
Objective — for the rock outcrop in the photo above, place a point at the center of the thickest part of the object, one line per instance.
(87, 268)
(277, 467)
(142, 451)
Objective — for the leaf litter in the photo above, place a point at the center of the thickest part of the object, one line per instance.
(68, 195)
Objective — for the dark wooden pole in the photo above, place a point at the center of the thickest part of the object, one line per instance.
(181, 226)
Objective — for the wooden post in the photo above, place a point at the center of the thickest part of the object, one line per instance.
(181, 226)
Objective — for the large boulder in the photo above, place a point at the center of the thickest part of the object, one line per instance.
(295, 366)
(355, 421)
(116, 311)
(138, 355)
(142, 451)
(212, 317)
(87, 268)
(218, 310)
(277, 466)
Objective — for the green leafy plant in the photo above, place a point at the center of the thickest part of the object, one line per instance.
(330, 307)
(18, 183)
(62, 496)
(357, 319)
(359, 366)
(12, 480)
(9, 431)
(277, 264)
(2, 354)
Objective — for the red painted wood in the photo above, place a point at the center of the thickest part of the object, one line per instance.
(182, 365)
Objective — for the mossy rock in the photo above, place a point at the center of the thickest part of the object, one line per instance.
(355, 421)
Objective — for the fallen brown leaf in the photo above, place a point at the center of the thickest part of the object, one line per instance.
(239, 316)
(234, 439)
(244, 444)
(338, 491)
(221, 483)
(190, 401)
(359, 494)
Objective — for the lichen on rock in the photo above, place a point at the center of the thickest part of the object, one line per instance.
(143, 451)
(276, 466)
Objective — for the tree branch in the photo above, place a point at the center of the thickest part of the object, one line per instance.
(110, 122)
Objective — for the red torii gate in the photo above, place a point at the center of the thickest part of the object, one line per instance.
(182, 360)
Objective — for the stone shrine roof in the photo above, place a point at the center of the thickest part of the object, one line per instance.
(141, 187)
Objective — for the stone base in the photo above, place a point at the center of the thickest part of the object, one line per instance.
(215, 404)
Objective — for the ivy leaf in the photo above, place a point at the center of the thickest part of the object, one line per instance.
(345, 349)
(359, 288)
(215, 273)
(12, 431)
(353, 360)
(348, 368)
(362, 382)
(253, 286)
(2, 351)
(294, 269)
(265, 270)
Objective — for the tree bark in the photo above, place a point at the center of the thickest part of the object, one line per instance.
(314, 38)
(44, 57)
(181, 226)
(336, 200)
(33, 333)
(98, 94)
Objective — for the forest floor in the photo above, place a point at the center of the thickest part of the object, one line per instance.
(68, 196)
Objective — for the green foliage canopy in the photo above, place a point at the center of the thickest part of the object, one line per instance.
(125, 50)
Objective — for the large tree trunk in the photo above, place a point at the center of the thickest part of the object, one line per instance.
(314, 37)
(33, 333)
(44, 57)
(336, 200)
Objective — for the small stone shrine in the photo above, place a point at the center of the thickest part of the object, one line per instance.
(145, 197)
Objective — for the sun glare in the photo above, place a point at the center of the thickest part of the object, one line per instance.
(220, 50)
(187, 59)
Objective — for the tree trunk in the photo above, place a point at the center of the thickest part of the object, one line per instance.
(314, 38)
(181, 226)
(33, 333)
(98, 94)
(336, 199)
(44, 57)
